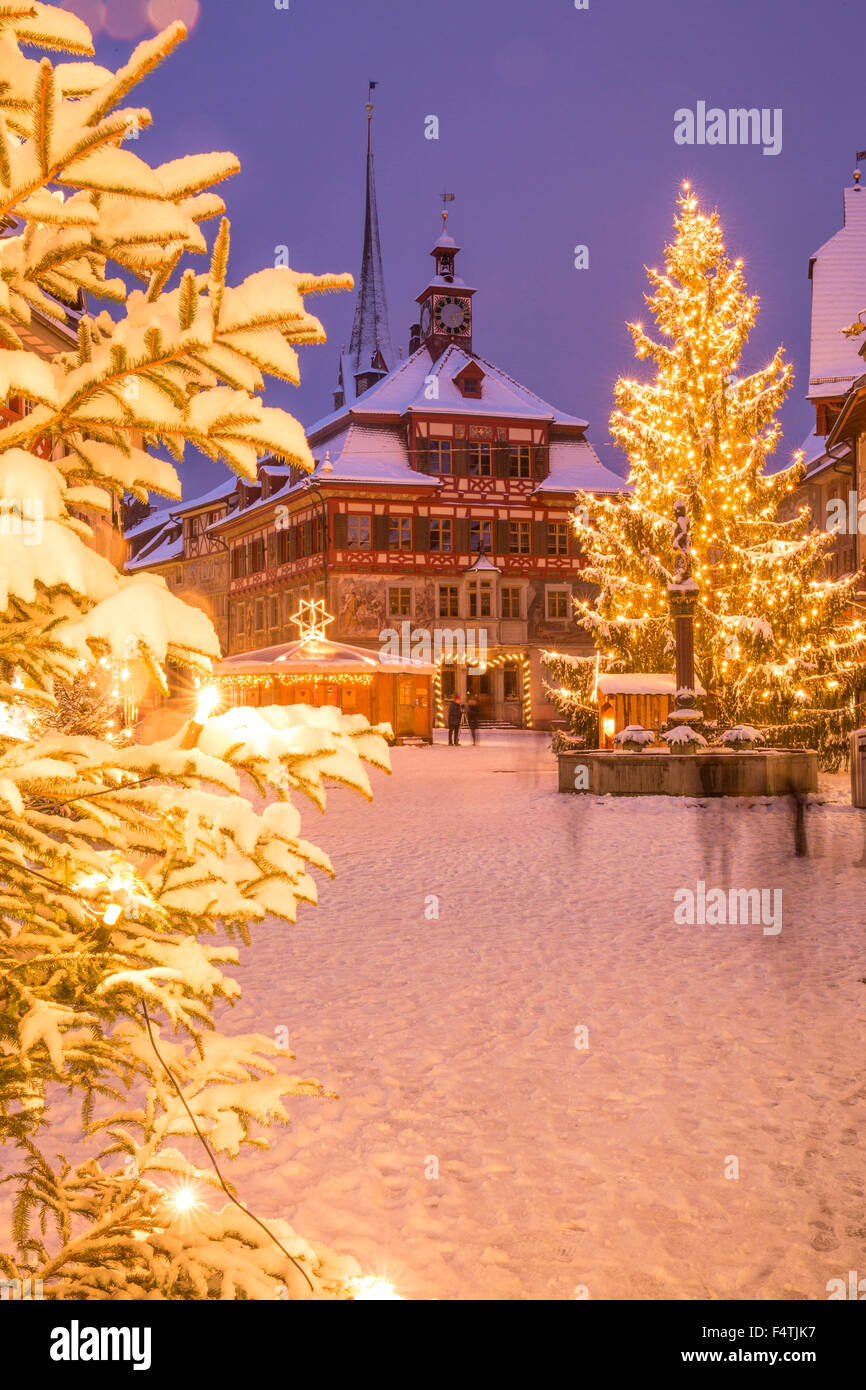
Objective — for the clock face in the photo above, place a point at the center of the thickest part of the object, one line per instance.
(452, 316)
(426, 317)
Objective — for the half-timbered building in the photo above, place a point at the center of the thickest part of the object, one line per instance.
(439, 507)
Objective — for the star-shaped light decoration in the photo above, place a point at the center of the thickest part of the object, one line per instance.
(311, 619)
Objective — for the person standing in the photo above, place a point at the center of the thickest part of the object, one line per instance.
(473, 714)
(455, 713)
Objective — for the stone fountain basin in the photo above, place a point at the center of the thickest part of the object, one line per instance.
(710, 772)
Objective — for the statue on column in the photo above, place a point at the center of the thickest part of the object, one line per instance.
(683, 730)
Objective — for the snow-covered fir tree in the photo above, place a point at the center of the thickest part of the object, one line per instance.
(127, 873)
(777, 644)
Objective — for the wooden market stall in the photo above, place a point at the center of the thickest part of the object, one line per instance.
(315, 670)
(644, 698)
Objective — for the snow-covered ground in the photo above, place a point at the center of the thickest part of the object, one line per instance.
(453, 1039)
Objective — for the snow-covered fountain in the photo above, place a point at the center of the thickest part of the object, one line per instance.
(682, 762)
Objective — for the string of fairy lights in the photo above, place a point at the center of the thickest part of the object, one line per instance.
(478, 667)
(769, 627)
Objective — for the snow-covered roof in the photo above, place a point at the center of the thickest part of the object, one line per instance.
(641, 683)
(838, 272)
(317, 655)
(482, 563)
(166, 545)
(575, 465)
(818, 458)
(410, 387)
(369, 453)
(150, 523)
(359, 454)
(218, 494)
(165, 515)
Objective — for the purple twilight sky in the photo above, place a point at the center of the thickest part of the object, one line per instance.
(555, 129)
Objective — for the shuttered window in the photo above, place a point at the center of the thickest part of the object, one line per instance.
(441, 534)
(519, 461)
(480, 535)
(439, 456)
(399, 533)
(557, 538)
(480, 462)
(358, 533)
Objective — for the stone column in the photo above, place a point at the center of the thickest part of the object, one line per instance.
(683, 598)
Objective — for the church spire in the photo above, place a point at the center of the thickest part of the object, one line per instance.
(370, 352)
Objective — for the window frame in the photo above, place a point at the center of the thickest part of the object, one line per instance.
(556, 591)
(509, 596)
(516, 460)
(359, 518)
(443, 524)
(401, 524)
(442, 449)
(453, 604)
(485, 453)
(557, 538)
(479, 591)
(481, 523)
(398, 612)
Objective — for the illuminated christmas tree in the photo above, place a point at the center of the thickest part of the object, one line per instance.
(776, 643)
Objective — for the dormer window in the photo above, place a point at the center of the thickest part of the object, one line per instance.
(468, 380)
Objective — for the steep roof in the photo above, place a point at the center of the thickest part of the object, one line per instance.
(409, 387)
(166, 545)
(371, 334)
(838, 274)
(575, 465)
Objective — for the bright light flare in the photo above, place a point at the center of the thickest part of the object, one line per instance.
(369, 1288)
(186, 1198)
(208, 700)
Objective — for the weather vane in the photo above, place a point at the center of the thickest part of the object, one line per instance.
(446, 198)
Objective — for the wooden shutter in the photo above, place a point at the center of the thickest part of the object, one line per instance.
(540, 537)
(460, 457)
(501, 537)
(461, 535)
(421, 456)
(500, 460)
(422, 533)
(293, 542)
(539, 461)
(380, 532)
(272, 549)
(308, 537)
(341, 530)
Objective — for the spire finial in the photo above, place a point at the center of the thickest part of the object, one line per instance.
(369, 110)
(446, 199)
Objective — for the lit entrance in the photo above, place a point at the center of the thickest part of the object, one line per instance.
(478, 684)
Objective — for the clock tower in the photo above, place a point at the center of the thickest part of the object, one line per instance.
(446, 303)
